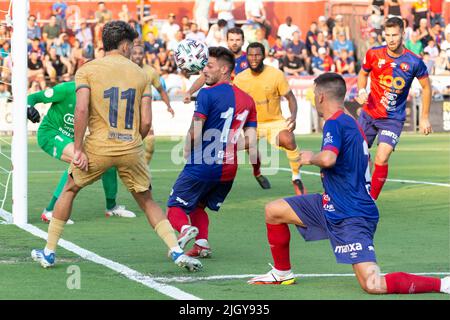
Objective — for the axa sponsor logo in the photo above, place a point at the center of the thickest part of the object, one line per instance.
(178, 199)
(351, 247)
(328, 138)
(69, 119)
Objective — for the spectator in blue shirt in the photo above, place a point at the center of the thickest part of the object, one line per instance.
(341, 43)
(33, 30)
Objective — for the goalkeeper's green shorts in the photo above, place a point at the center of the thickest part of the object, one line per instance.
(52, 141)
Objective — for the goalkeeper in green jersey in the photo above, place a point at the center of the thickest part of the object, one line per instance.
(55, 137)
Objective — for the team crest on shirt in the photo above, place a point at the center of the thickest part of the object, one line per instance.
(244, 65)
(381, 62)
(328, 138)
(404, 66)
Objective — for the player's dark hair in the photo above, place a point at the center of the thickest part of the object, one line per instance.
(223, 54)
(394, 22)
(236, 30)
(333, 84)
(114, 32)
(259, 45)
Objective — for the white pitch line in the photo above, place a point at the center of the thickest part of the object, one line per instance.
(131, 274)
(390, 180)
(274, 169)
(299, 275)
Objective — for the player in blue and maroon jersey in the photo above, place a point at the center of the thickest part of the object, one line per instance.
(221, 112)
(392, 69)
(345, 213)
(235, 41)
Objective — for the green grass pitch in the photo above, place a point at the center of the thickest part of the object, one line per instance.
(413, 234)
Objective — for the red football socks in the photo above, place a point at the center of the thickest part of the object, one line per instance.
(279, 237)
(378, 179)
(406, 283)
(199, 219)
(177, 217)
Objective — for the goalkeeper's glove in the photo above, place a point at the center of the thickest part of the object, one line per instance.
(33, 115)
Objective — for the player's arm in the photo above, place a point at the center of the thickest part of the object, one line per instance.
(51, 95)
(194, 135)
(424, 123)
(292, 102)
(331, 144)
(80, 124)
(197, 85)
(363, 77)
(362, 97)
(165, 98)
(146, 115)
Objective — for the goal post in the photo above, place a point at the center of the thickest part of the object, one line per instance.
(19, 83)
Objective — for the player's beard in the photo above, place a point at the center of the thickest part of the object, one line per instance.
(397, 49)
(259, 68)
(236, 51)
(210, 81)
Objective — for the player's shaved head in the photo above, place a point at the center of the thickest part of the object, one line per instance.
(332, 85)
(115, 33)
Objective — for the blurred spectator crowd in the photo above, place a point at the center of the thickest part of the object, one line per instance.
(56, 50)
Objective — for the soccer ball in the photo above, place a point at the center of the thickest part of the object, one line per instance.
(191, 55)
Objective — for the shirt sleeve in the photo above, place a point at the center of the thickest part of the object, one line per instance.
(50, 95)
(82, 78)
(202, 105)
(148, 87)
(251, 118)
(331, 137)
(421, 71)
(367, 62)
(156, 82)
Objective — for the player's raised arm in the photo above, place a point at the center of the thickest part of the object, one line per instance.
(197, 85)
(424, 123)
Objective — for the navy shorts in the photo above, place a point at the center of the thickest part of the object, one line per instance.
(351, 238)
(189, 192)
(388, 130)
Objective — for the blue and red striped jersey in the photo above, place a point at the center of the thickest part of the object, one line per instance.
(226, 110)
(390, 81)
